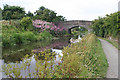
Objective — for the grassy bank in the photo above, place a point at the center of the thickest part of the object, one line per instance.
(84, 59)
(87, 57)
(12, 35)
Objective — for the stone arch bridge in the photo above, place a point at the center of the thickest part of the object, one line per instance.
(74, 23)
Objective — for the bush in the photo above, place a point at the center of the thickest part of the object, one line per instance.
(24, 37)
(107, 26)
(45, 35)
(26, 22)
(18, 38)
(12, 36)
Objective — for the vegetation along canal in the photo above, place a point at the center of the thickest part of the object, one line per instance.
(46, 45)
(16, 54)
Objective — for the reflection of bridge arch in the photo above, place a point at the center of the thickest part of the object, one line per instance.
(74, 23)
(70, 28)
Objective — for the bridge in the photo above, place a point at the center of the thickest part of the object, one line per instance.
(74, 23)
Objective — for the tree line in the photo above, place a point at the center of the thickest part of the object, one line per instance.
(17, 12)
(107, 26)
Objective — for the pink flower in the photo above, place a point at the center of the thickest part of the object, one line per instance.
(47, 27)
(52, 28)
(37, 26)
(56, 29)
(55, 26)
(61, 29)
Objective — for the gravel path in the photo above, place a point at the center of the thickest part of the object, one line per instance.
(112, 57)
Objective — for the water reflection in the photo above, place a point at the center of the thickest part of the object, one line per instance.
(1, 62)
(75, 40)
(16, 53)
(57, 55)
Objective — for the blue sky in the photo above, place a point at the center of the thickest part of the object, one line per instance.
(71, 9)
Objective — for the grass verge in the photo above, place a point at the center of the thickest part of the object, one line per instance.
(88, 58)
(102, 56)
(114, 43)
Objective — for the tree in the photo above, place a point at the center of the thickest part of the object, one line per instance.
(29, 14)
(40, 10)
(0, 14)
(59, 18)
(12, 12)
(47, 15)
(107, 26)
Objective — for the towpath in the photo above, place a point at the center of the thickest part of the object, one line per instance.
(112, 57)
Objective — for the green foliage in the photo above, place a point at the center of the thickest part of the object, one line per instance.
(24, 37)
(7, 35)
(16, 12)
(18, 38)
(79, 31)
(48, 15)
(0, 14)
(45, 35)
(12, 12)
(29, 14)
(26, 22)
(0, 39)
(91, 59)
(42, 69)
(12, 36)
(91, 62)
(84, 59)
(107, 26)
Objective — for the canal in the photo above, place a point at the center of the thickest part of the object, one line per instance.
(16, 54)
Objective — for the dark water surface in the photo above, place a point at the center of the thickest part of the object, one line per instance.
(16, 53)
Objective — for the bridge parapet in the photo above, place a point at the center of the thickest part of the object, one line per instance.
(74, 23)
(81, 22)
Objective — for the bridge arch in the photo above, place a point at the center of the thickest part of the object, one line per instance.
(76, 26)
(74, 23)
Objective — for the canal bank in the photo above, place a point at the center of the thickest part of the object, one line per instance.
(84, 59)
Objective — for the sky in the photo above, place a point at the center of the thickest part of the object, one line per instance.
(70, 9)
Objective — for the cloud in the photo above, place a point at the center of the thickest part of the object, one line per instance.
(71, 9)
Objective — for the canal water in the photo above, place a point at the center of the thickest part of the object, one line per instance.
(16, 53)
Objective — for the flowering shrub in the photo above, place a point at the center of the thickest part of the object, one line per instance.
(12, 36)
(52, 28)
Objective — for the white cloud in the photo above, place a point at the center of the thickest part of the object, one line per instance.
(71, 9)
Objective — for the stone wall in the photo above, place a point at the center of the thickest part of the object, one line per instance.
(73, 23)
